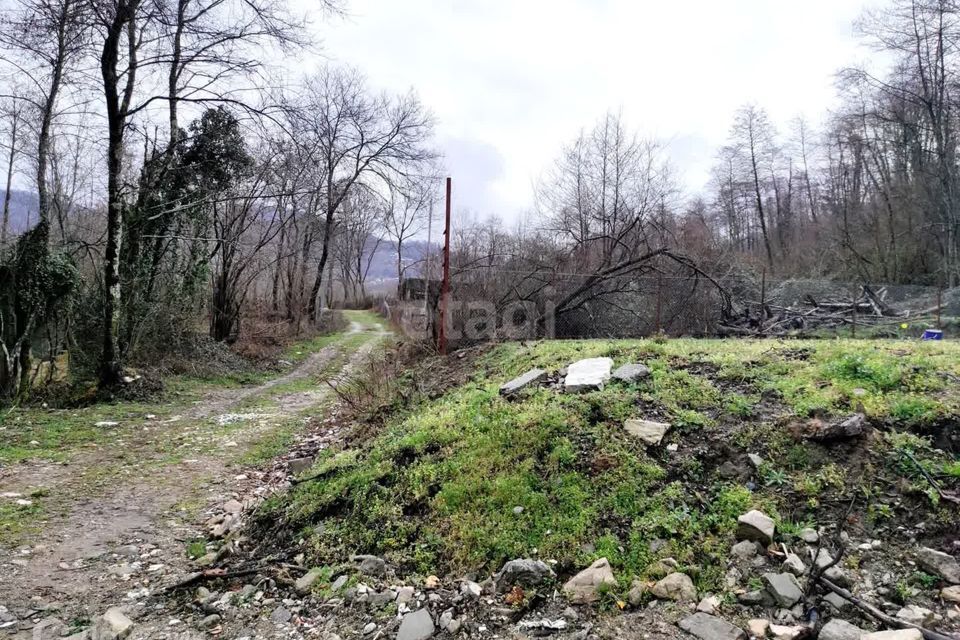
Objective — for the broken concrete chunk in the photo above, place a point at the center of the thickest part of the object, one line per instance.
(530, 378)
(587, 375)
(631, 372)
(647, 430)
(757, 526)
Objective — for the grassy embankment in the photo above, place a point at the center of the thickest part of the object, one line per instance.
(435, 491)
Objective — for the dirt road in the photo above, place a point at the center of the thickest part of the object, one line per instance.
(118, 519)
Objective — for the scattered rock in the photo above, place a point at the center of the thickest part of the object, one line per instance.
(631, 372)
(339, 583)
(526, 573)
(755, 460)
(852, 427)
(431, 583)
(281, 615)
(758, 627)
(755, 597)
(405, 594)
(587, 375)
(744, 550)
(784, 588)
(299, 465)
(896, 634)
(416, 626)
(838, 629)
(810, 536)
(837, 602)
(916, 615)
(756, 526)
(210, 621)
(648, 431)
(532, 377)
(584, 587)
(305, 582)
(635, 595)
(369, 628)
(445, 618)
(112, 625)
(951, 594)
(371, 565)
(707, 627)
(710, 604)
(471, 589)
(939, 563)
(676, 586)
(793, 564)
(783, 632)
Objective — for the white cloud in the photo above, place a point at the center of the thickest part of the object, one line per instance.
(511, 81)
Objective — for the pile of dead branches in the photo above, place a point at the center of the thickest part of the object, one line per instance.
(868, 308)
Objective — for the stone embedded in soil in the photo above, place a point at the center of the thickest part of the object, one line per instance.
(756, 526)
(916, 615)
(523, 572)
(112, 625)
(896, 634)
(855, 425)
(584, 587)
(940, 564)
(470, 589)
(838, 629)
(371, 565)
(281, 615)
(587, 375)
(532, 377)
(676, 586)
(416, 626)
(305, 582)
(297, 466)
(744, 550)
(810, 536)
(339, 583)
(631, 372)
(710, 604)
(648, 431)
(707, 627)
(784, 588)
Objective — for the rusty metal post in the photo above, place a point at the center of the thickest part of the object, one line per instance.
(445, 287)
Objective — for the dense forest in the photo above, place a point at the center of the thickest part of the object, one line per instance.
(181, 191)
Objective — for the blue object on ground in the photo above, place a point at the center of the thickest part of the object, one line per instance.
(932, 334)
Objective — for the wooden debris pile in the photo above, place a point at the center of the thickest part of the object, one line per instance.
(767, 318)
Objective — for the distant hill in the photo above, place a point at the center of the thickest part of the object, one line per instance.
(23, 209)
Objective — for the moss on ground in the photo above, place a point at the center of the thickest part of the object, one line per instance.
(468, 480)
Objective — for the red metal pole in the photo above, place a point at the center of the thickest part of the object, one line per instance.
(445, 287)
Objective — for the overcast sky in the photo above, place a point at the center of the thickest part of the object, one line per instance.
(511, 81)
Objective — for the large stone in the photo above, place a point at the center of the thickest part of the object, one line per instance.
(707, 627)
(112, 625)
(916, 615)
(838, 629)
(939, 563)
(416, 626)
(895, 634)
(631, 372)
(647, 430)
(305, 582)
(784, 588)
(587, 375)
(584, 587)
(744, 550)
(757, 526)
(676, 586)
(793, 564)
(530, 378)
(525, 573)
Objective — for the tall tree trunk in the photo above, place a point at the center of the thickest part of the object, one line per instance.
(6, 195)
